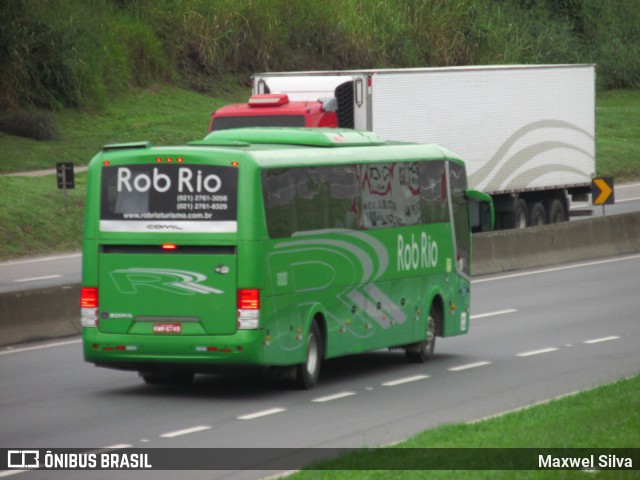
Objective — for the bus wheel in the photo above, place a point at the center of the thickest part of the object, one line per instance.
(423, 351)
(308, 373)
(167, 378)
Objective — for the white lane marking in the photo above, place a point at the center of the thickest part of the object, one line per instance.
(120, 446)
(285, 474)
(627, 185)
(537, 352)
(186, 431)
(622, 200)
(401, 381)
(38, 347)
(468, 366)
(491, 314)
(557, 269)
(263, 413)
(35, 279)
(8, 473)
(328, 398)
(603, 339)
(43, 259)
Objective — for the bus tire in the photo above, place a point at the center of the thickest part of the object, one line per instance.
(167, 378)
(423, 351)
(308, 373)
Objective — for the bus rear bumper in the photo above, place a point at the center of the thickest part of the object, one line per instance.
(199, 354)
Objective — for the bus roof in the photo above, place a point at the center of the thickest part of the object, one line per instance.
(315, 137)
(274, 147)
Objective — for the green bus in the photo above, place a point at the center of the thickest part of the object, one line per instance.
(273, 247)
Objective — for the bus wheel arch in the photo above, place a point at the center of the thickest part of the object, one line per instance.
(436, 308)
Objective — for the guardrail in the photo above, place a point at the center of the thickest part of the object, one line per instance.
(38, 314)
(534, 247)
(54, 312)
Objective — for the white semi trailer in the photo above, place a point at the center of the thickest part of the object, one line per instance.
(526, 132)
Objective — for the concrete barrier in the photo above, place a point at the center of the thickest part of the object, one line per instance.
(55, 312)
(39, 314)
(534, 247)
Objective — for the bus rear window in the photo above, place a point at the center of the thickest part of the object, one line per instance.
(171, 198)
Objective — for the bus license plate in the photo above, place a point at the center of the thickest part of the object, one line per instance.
(167, 327)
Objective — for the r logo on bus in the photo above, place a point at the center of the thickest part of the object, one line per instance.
(129, 281)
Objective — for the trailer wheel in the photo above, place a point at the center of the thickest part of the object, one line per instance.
(308, 373)
(517, 218)
(537, 215)
(556, 212)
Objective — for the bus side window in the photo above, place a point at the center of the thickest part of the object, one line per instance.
(460, 209)
(344, 197)
(279, 191)
(363, 197)
(433, 192)
(300, 200)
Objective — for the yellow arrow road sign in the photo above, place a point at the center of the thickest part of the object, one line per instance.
(602, 191)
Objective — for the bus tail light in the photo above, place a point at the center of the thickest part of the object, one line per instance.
(248, 308)
(89, 307)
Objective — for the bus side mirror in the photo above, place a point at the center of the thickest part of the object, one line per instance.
(481, 211)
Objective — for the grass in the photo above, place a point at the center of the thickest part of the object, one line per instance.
(33, 220)
(164, 115)
(618, 134)
(604, 417)
(73, 53)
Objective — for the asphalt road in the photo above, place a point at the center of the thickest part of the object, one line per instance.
(40, 272)
(535, 335)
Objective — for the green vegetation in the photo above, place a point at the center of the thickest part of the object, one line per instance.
(605, 417)
(162, 115)
(618, 135)
(33, 220)
(77, 53)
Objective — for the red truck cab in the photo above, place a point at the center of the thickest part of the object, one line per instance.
(275, 110)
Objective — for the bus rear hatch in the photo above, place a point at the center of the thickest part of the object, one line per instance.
(182, 290)
(149, 286)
